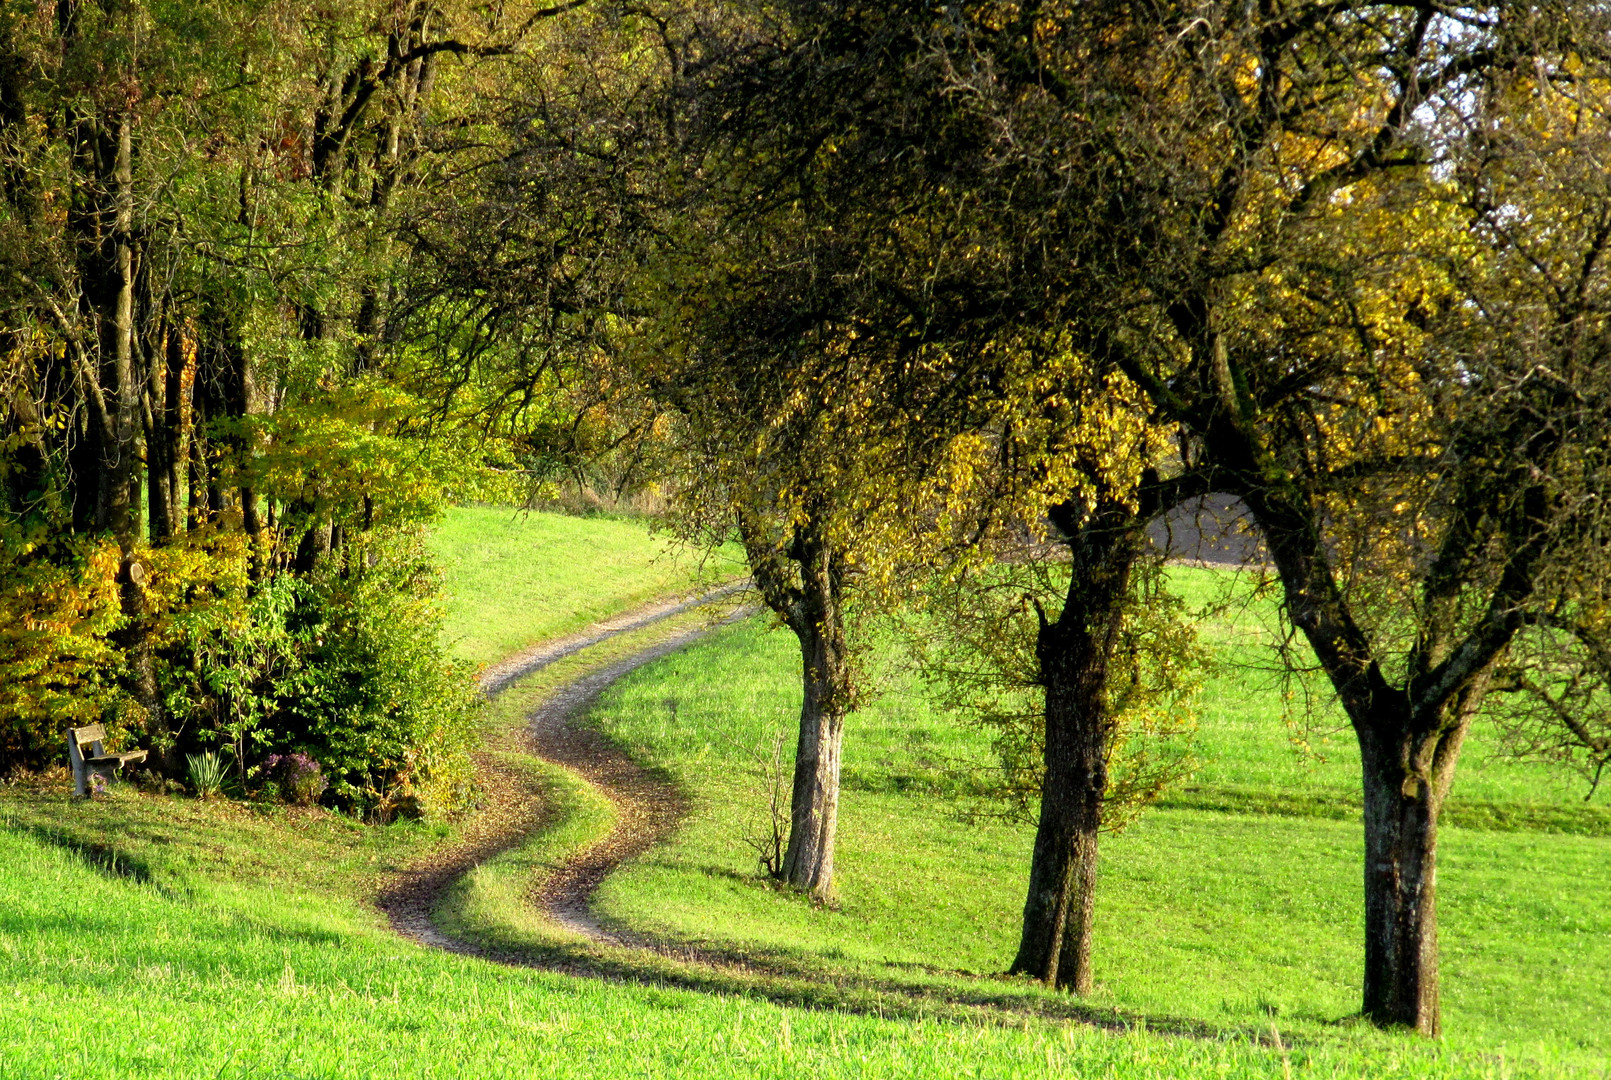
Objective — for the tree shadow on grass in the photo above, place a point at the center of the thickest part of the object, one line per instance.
(795, 981)
(101, 857)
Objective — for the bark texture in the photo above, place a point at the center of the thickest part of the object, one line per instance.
(804, 583)
(1073, 653)
(1405, 782)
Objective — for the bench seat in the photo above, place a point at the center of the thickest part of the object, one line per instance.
(97, 762)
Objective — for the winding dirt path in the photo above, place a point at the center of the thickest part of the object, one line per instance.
(499, 676)
(648, 806)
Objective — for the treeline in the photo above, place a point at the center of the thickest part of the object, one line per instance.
(214, 464)
(933, 307)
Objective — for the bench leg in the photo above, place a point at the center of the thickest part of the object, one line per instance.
(80, 770)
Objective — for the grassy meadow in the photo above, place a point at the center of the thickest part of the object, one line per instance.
(152, 935)
(183, 976)
(516, 578)
(225, 941)
(1234, 904)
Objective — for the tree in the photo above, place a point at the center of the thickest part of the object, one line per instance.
(1057, 630)
(837, 140)
(1281, 223)
(196, 225)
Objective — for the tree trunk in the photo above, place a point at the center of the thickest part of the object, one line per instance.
(1405, 782)
(814, 809)
(813, 610)
(166, 452)
(28, 476)
(120, 458)
(1073, 652)
(313, 547)
(1409, 740)
(87, 486)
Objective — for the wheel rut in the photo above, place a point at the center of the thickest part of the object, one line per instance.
(648, 806)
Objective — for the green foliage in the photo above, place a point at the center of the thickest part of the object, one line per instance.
(976, 643)
(206, 772)
(374, 698)
(347, 666)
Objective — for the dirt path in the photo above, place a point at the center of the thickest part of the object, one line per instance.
(648, 806)
(498, 677)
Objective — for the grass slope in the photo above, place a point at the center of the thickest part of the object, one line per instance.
(109, 978)
(1228, 915)
(516, 578)
(226, 941)
(152, 936)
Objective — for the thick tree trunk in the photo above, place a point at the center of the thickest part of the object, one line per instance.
(814, 809)
(1405, 782)
(1409, 739)
(1073, 652)
(1055, 946)
(86, 484)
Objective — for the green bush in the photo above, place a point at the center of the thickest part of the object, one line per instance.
(344, 665)
(375, 699)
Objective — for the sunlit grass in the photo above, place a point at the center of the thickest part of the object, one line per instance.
(152, 936)
(515, 578)
(203, 974)
(1232, 918)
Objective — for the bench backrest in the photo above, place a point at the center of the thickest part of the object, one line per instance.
(94, 733)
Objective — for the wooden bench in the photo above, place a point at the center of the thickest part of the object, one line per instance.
(97, 762)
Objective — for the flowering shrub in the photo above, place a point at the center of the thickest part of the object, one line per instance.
(296, 778)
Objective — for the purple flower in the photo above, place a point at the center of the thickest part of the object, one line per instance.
(300, 779)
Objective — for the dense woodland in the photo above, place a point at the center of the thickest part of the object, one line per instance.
(932, 308)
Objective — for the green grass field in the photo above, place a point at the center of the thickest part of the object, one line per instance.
(145, 935)
(228, 942)
(515, 578)
(1212, 909)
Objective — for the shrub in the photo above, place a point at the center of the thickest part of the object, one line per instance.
(343, 667)
(294, 777)
(377, 699)
(206, 774)
(57, 610)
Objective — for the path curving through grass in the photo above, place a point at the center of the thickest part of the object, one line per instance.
(645, 805)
